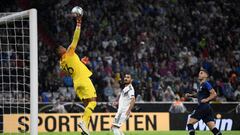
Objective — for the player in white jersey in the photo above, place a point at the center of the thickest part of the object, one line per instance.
(125, 105)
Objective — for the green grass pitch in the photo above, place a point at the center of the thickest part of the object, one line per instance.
(140, 133)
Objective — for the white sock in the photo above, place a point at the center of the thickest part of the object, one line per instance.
(116, 131)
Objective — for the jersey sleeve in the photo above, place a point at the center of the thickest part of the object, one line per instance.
(208, 86)
(131, 92)
(74, 43)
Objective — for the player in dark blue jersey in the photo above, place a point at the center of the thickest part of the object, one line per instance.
(205, 94)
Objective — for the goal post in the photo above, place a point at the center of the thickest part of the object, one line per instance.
(19, 46)
(33, 72)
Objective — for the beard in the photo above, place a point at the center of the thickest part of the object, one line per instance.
(126, 82)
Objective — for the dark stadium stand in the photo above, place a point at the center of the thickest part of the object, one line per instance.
(162, 44)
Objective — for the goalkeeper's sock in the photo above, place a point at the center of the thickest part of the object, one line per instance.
(88, 112)
(191, 129)
(215, 131)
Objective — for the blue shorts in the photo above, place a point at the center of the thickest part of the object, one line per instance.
(204, 112)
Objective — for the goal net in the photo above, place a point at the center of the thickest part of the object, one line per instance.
(18, 72)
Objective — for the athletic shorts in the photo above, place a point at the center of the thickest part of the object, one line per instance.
(84, 88)
(119, 119)
(204, 112)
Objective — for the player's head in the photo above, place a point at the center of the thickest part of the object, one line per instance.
(128, 78)
(61, 50)
(203, 74)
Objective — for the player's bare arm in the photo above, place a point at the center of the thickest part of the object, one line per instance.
(212, 95)
(193, 95)
(131, 105)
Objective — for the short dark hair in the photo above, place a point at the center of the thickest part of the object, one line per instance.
(127, 73)
(204, 70)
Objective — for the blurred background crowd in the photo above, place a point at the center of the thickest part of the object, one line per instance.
(162, 43)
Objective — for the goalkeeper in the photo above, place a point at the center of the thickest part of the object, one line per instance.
(83, 86)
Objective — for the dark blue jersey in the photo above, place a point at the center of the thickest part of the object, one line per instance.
(204, 91)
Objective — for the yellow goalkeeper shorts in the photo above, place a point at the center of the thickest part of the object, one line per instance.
(84, 88)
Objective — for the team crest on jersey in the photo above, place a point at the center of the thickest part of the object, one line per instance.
(200, 89)
(124, 93)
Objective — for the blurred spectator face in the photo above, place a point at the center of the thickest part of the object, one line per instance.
(61, 50)
(233, 78)
(61, 98)
(117, 77)
(202, 75)
(127, 79)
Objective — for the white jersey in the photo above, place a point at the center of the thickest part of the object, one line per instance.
(125, 98)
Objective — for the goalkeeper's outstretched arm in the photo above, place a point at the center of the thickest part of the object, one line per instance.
(76, 35)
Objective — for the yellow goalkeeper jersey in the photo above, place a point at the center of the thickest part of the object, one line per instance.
(71, 64)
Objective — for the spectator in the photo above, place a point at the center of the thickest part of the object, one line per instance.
(237, 94)
(168, 95)
(58, 107)
(198, 33)
(238, 109)
(177, 106)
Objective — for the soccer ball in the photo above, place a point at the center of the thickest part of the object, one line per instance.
(77, 10)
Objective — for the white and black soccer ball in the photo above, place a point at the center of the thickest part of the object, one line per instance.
(77, 10)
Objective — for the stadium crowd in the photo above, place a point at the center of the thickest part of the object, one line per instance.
(162, 43)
